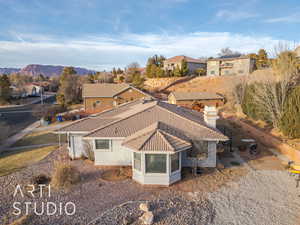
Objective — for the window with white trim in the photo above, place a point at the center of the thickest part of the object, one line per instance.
(102, 144)
(156, 163)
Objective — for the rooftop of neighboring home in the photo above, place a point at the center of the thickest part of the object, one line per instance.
(148, 124)
(179, 58)
(180, 96)
(106, 90)
(229, 58)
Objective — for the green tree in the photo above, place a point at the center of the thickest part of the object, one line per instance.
(177, 71)
(155, 66)
(4, 88)
(262, 60)
(201, 72)
(70, 89)
(184, 68)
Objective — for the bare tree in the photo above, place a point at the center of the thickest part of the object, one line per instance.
(272, 93)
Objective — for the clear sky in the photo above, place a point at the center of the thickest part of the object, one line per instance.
(101, 34)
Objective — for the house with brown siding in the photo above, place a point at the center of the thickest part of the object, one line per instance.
(156, 139)
(102, 96)
(196, 100)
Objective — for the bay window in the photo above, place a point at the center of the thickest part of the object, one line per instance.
(156, 163)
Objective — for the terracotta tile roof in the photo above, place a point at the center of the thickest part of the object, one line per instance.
(142, 115)
(229, 58)
(103, 89)
(179, 58)
(196, 95)
(157, 137)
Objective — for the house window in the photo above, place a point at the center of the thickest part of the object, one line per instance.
(156, 163)
(175, 162)
(241, 71)
(102, 144)
(137, 161)
(98, 102)
(226, 72)
(212, 72)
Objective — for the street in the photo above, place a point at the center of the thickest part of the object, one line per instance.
(19, 117)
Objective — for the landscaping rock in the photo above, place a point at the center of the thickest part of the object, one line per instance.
(147, 218)
(145, 207)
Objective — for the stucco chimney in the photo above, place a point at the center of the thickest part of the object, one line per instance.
(210, 116)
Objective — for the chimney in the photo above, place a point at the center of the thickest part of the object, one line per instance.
(210, 116)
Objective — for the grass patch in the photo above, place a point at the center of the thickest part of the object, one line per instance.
(37, 138)
(12, 161)
(234, 163)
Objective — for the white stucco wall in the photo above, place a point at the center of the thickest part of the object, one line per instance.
(76, 150)
(116, 156)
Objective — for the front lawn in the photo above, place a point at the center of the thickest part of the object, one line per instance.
(11, 161)
(38, 138)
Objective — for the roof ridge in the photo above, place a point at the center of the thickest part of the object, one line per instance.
(116, 121)
(190, 120)
(165, 139)
(175, 136)
(151, 135)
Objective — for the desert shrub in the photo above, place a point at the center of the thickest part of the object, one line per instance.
(88, 147)
(65, 175)
(40, 179)
(290, 121)
(24, 220)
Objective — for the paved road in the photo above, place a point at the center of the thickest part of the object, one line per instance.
(20, 117)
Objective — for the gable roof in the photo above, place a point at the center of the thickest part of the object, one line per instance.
(157, 137)
(179, 58)
(106, 90)
(180, 96)
(142, 115)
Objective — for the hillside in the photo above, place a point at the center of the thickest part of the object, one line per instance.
(49, 70)
(224, 85)
(9, 70)
(46, 70)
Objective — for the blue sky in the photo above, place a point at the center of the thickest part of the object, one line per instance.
(101, 34)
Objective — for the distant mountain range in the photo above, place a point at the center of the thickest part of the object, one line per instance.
(46, 70)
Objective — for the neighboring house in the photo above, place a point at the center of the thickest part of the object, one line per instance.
(33, 90)
(196, 100)
(193, 64)
(230, 66)
(102, 96)
(155, 138)
(17, 92)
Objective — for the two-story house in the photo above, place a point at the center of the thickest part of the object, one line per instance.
(230, 66)
(193, 64)
(103, 96)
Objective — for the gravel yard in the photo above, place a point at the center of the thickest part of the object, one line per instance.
(233, 196)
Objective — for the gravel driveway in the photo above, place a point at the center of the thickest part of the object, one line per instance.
(260, 197)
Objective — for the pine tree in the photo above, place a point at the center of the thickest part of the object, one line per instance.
(184, 68)
(177, 71)
(262, 59)
(4, 88)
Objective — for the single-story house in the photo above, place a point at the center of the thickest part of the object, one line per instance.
(196, 100)
(102, 96)
(155, 138)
